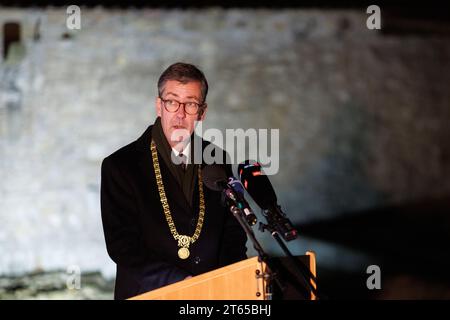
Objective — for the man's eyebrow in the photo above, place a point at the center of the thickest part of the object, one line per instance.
(188, 97)
(174, 94)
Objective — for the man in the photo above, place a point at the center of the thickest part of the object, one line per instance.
(161, 224)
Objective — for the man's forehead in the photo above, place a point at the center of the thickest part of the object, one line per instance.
(176, 83)
(190, 89)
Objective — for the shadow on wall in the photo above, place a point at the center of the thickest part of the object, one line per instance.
(408, 242)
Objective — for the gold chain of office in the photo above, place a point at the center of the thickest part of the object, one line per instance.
(183, 240)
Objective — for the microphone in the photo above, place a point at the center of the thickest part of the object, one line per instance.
(237, 186)
(260, 189)
(215, 178)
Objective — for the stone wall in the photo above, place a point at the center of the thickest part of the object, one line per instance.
(363, 117)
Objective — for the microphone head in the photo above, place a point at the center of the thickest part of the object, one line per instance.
(236, 185)
(214, 177)
(257, 184)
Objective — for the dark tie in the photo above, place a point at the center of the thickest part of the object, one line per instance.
(183, 161)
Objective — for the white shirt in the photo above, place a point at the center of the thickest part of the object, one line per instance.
(186, 151)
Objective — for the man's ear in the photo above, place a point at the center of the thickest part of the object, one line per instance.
(158, 106)
(202, 113)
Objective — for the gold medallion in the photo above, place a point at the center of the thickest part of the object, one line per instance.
(183, 253)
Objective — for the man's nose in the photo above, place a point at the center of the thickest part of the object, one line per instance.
(181, 113)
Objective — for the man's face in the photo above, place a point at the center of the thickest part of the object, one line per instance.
(179, 125)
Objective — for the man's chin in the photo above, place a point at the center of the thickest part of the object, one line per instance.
(179, 135)
(180, 140)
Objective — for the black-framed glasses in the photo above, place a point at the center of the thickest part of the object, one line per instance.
(189, 107)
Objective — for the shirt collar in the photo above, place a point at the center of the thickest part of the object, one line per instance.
(186, 151)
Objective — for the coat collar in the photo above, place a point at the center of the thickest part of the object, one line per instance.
(143, 142)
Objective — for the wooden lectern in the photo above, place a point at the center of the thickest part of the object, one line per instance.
(242, 280)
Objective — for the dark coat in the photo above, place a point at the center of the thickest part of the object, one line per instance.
(138, 238)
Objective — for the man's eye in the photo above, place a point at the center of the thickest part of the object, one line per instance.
(191, 104)
(171, 102)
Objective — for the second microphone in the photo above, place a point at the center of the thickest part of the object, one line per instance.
(215, 178)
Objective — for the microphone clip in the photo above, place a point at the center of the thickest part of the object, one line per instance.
(278, 222)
